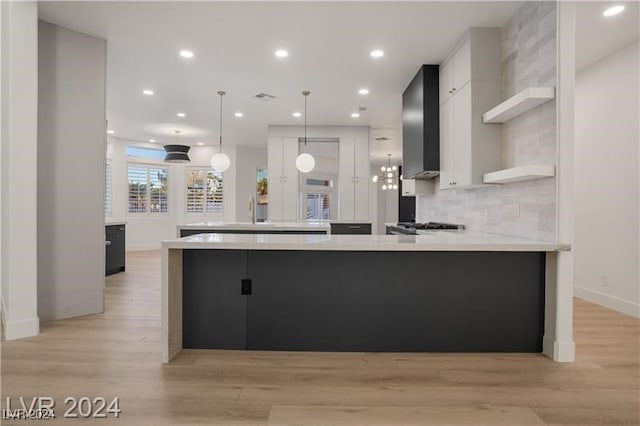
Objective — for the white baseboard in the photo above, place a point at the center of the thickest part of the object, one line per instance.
(19, 329)
(2, 311)
(611, 302)
(69, 305)
(558, 351)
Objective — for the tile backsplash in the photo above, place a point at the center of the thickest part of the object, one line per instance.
(525, 209)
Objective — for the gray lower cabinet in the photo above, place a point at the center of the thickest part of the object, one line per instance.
(214, 309)
(115, 237)
(363, 301)
(338, 228)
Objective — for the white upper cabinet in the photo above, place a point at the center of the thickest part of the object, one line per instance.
(283, 179)
(455, 72)
(286, 195)
(446, 81)
(413, 187)
(354, 178)
(470, 83)
(461, 69)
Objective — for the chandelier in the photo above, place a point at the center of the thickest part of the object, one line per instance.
(389, 176)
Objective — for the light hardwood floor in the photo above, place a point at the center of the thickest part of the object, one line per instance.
(118, 354)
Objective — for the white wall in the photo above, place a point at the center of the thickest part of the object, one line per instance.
(18, 168)
(146, 232)
(248, 161)
(71, 158)
(607, 182)
(391, 205)
(524, 209)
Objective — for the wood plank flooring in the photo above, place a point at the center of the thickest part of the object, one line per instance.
(117, 354)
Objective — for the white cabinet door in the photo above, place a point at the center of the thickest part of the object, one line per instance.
(446, 81)
(274, 171)
(461, 73)
(283, 178)
(412, 187)
(290, 179)
(446, 145)
(461, 136)
(361, 180)
(346, 178)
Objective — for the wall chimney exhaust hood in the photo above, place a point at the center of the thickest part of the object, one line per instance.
(421, 125)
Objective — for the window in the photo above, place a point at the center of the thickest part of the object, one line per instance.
(204, 192)
(318, 206)
(151, 153)
(107, 189)
(317, 193)
(148, 189)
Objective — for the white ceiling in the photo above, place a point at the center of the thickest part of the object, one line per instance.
(598, 36)
(328, 44)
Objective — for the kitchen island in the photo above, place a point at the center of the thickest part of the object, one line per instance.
(442, 291)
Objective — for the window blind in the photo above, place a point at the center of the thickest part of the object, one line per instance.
(107, 188)
(148, 188)
(204, 192)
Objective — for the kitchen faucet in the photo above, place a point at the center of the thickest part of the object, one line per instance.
(252, 209)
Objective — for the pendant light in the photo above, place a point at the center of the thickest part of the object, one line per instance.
(305, 161)
(220, 161)
(177, 153)
(389, 176)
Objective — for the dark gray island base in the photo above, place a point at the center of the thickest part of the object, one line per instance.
(379, 301)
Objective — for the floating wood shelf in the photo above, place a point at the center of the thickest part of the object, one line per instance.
(529, 98)
(521, 173)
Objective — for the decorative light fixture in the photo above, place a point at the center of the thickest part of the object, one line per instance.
(389, 176)
(177, 153)
(220, 161)
(305, 161)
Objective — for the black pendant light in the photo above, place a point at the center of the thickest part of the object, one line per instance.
(177, 153)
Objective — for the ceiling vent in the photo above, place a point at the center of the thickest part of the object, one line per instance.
(264, 97)
(361, 108)
(382, 139)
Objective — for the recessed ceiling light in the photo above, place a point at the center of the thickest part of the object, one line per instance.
(237, 114)
(281, 53)
(152, 140)
(181, 114)
(377, 53)
(297, 114)
(148, 92)
(363, 91)
(186, 54)
(110, 132)
(355, 115)
(200, 143)
(613, 10)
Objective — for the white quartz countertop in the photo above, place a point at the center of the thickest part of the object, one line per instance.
(114, 222)
(426, 241)
(274, 226)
